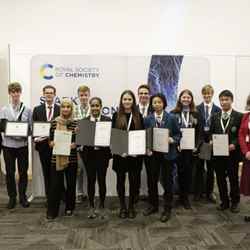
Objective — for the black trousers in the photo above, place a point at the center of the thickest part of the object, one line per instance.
(45, 153)
(157, 166)
(57, 188)
(10, 156)
(96, 167)
(129, 165)
(145, 160)
(199, 178)
(184, 168)
(227, 167)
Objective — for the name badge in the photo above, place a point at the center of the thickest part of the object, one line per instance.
(206, 128)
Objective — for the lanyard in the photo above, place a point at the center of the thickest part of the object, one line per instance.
(224, 128)
(129, 121)
(19, 112)
(185, 121)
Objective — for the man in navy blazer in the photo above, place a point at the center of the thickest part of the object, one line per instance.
(45, 113)
(206, 109)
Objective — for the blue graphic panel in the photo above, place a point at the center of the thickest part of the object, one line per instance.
(163, 77)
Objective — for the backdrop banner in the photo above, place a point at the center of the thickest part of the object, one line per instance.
(107, 76)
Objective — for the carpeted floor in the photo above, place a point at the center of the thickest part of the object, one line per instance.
(201, 228)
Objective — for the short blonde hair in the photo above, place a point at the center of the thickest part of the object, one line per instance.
(207, 89)
(83, 88)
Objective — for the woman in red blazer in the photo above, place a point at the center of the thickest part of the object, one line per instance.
(244, 141)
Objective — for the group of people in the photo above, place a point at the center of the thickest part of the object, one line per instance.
(63, 175)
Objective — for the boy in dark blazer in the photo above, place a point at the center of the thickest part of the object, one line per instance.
(206, 110)
(45, 113)
(227, 122)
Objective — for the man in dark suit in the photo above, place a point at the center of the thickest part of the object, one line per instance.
(45, 113)
(144, 108)
(227, 122)
(206, 110)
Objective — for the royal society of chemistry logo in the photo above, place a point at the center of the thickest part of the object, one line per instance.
(49, 71)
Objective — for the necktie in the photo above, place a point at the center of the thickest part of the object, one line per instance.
(206, 115)
(158, 121)
(225, 117)
(143, 111)
(50, 113)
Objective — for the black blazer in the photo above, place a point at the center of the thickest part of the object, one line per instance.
(104, 153)
(39, 113)
(201, 110)
(232, 130)
(149, 111)
(195, 122)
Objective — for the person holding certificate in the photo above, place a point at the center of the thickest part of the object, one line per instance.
(127, 118)
(244, 141)
(190, 124)
(226, 151)
(161, 162)
(206, 109)
(81, 111)
(96, 160)
(63, 162)
(45, 113)
(16, 147)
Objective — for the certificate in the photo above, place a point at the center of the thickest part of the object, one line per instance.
(137, 142)
(15, 129)
(128, 142)
(102, 134)
(41, 129)
(220, 145)
(161, 140)
(94, 133)
(188, 138)
(62, 140)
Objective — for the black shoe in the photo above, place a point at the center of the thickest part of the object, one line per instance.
(211, 199)
(247, 218)
(50, 217)
(11, 203)
(123, 213)
(222, 207)
(235, 208)
(143, 198)
(68, 213)
(131, 213)
(186, 203)
(165, 216)
(150, 210)
(24, 202)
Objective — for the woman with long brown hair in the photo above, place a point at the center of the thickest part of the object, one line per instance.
(127, 118)
(187, 117)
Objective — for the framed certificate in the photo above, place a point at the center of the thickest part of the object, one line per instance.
(41, 129)
(187, 139)
(220, 145)
(62, 140)
(128, 142)
(95, 134)
(16, 129)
